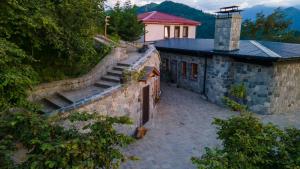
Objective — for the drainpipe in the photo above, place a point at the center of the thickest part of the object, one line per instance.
(205, 74)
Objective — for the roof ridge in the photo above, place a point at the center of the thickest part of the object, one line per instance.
(265, 49)
(150, 15)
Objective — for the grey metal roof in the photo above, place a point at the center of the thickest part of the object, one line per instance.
(257, 50)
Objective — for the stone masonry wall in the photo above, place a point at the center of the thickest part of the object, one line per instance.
(286, 95)
(99, 70)
(224, 72)
(127, 100)
(227, 32)
(186, 82)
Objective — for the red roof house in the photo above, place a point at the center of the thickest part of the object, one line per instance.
(160, 26)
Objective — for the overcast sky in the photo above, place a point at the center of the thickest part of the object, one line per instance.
(213, 5)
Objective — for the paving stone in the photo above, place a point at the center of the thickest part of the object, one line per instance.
(170, 145)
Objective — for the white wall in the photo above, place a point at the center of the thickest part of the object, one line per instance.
(155, 32)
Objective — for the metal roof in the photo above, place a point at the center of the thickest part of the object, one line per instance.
(260, 50)
(155, 17)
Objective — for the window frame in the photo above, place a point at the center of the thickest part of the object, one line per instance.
(168, 30)
(175, 27)
(165, 64)
(187, 32)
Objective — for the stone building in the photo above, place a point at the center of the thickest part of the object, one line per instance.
(270, 71)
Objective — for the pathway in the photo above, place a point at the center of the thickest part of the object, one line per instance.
(182, 129)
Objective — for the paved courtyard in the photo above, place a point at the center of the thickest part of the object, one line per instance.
(182, 128)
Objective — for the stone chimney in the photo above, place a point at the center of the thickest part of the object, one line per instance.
(228, 29)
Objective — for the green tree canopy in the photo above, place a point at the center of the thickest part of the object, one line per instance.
(274, 27)
(124, 22)
(57, 34)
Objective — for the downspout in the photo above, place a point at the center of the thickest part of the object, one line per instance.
(205, 74)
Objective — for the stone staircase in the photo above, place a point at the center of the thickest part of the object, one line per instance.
(64, 99)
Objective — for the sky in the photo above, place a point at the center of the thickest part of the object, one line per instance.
(213, 5)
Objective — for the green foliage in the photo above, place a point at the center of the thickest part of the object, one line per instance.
(237, 94)
(53, 146)
(235, 106)
(124, 22)
(57, 34)
(274, 27)
(133, 75)
(15, 76)
(239, 91)
(247, 143)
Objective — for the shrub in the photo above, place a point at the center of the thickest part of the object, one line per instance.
(249, 144)
(54, 146)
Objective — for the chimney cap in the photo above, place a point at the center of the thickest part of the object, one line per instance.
(229, 10)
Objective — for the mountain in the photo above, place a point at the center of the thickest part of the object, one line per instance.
(250, 13)
(146, 8)
(293, 14)
(206, 30)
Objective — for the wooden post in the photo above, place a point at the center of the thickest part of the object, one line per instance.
(106, 25)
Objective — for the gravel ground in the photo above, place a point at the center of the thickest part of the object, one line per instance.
(182, 128)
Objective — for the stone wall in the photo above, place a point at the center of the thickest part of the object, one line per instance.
(185, 82)
(286, 95)
(127, 99)
(99, 70)
(225, 72)
(271, 87)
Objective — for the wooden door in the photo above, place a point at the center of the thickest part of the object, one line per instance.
(146, 99)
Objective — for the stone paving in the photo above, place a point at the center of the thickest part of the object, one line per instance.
(181, 129)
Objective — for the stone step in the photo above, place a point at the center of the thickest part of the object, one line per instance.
(120, 68)
(47, 107)
(59, 100)
(111, 78)
(123, 64)
(115, 73)
(79, 94)
(105, 84)
(65, 97)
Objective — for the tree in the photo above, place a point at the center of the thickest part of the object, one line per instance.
(274, 27)
(124, 22)
(57, 34)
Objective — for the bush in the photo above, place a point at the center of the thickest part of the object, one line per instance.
(249, 144)
(54, 146)
(236, 98)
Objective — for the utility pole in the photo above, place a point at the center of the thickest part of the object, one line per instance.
(106, 25)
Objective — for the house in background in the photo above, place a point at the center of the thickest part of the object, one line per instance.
(159, 26)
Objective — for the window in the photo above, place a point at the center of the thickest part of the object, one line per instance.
(183, 70)
(177, 32)
(194, 71)
(167, 31)
(185, 32)
(165, 64)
